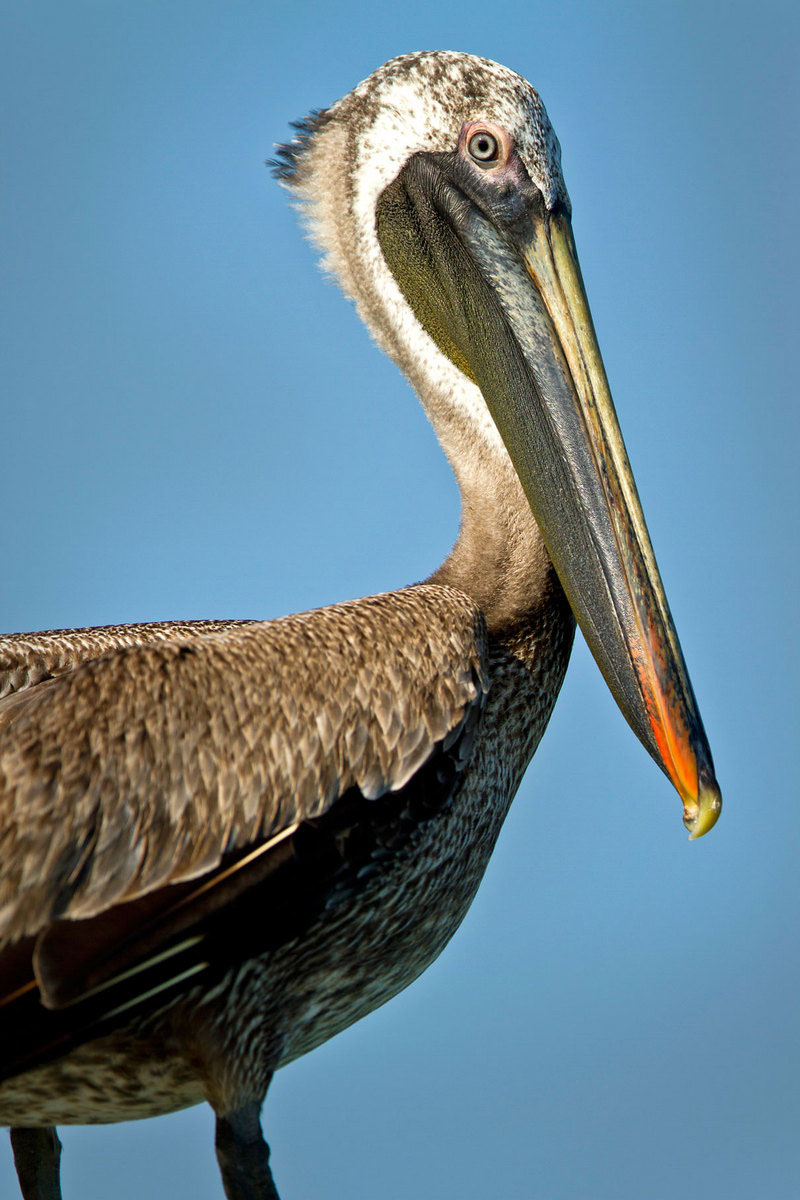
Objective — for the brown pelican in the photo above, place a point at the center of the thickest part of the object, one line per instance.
(223, 842)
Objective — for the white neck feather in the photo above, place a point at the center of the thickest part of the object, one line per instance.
(359, 150)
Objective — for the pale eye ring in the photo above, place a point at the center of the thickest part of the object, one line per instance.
(483, 147)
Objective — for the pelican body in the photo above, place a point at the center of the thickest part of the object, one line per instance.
(223, 842)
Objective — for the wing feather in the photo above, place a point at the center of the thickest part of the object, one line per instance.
(28, 659)
(146, 766)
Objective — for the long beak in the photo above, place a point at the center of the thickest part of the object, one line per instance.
(505, 300)
(634, 584)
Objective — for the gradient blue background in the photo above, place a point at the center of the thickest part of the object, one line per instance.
(195, 424)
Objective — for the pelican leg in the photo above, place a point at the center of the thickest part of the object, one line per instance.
(37, 1157)
(243, 1155)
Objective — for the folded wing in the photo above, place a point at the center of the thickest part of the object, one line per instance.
(150, 793)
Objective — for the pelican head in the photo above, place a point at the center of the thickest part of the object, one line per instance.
(435, 190)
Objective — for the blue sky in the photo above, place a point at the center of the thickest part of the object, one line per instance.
(194, 423)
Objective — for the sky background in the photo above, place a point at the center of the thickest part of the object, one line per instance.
(195, 424)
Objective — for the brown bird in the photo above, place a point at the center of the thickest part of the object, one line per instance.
(223, 842)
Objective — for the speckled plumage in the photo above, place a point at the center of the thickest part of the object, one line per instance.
(358, 955)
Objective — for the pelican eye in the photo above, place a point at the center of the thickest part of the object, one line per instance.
(483, 147)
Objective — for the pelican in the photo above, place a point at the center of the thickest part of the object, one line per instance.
(223, 842)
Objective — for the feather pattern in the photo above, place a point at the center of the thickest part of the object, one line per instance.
(145, 766)
(30, 658)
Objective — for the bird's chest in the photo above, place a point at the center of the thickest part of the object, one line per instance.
(365, 950)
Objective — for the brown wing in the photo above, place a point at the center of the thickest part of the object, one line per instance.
(27, 659)
(93, 975)
(131, 775)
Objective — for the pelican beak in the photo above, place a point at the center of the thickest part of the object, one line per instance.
(634, 584)
(500, 291)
